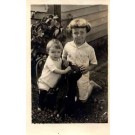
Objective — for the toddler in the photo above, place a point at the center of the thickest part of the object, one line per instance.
(51, 72)
(80, 53)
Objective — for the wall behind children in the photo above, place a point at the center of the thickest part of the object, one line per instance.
(97, 15)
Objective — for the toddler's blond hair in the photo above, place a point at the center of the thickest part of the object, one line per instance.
(55, 44)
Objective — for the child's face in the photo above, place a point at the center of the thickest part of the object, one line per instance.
(79, 35)
(54, 53)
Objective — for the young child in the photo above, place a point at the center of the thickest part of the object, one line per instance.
(51, 72)
(80, 53)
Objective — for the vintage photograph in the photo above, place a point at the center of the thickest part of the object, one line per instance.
(69, 63)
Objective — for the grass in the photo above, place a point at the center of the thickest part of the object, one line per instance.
(96, 108)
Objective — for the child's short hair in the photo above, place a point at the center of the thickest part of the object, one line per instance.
(79, 23)
(55, 44)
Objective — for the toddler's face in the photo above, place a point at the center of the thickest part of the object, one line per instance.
(54, 53)
(79, 35)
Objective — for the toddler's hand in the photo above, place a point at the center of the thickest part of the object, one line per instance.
(68, 69)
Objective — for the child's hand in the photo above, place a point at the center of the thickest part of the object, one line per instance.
(84, 69)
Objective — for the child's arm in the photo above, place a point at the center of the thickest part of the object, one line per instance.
(59, 71)
(92, 64)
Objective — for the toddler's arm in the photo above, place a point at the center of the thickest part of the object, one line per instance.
(59, 71)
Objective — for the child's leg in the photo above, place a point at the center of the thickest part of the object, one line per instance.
(42, 97)
(87, 92)
(92, 86)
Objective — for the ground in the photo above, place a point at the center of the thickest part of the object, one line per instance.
(96, 108)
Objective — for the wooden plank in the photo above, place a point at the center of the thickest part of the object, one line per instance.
(94, 16)
(65, 8)
(96, 35)
(39, 8)
(99, 21)
(83, 12)
(43, 8)
(98, 29)
(40, 15)
(93, 23)
(91, 17)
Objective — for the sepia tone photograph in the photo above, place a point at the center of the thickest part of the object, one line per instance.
(69, 63)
